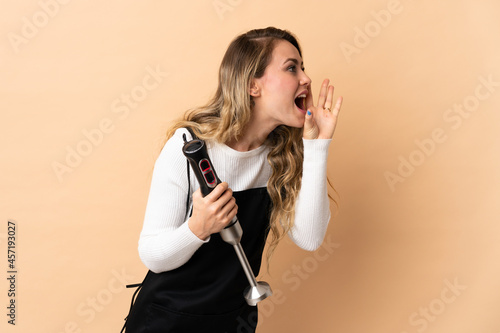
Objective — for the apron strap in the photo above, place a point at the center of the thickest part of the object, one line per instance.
(188, 168)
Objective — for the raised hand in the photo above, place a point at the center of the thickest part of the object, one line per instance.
(321, 119)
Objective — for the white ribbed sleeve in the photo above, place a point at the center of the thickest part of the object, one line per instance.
(312, 209)
(166, 242)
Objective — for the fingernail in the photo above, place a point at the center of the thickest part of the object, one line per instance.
(308, 112)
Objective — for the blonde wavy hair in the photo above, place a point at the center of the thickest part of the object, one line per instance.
(225, 116)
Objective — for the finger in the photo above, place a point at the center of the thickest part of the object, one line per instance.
(310, 131)
(225, 198)
(217, 192)
(329, 98)
(229, 207)
(309, 97)
(232, 213)
(338, 105)
(323, 93)
(226, 217)
(197, 194)
(309, 121)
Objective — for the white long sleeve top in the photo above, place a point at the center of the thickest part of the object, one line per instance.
(166, 242)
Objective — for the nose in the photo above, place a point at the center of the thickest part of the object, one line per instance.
(305, 80)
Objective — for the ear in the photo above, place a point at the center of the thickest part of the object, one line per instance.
(254, 89)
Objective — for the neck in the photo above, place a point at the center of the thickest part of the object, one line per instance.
(254, 135)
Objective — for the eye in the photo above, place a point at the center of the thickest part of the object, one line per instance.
(292, 68)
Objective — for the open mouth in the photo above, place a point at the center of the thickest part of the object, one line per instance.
(300, 102)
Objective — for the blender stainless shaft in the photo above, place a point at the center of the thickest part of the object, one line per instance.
(257, 291)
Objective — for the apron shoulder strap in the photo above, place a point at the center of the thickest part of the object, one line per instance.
(188, 169)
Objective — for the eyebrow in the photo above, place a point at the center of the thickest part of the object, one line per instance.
(295, 61)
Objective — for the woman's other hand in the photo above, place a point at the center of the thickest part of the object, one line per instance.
(321, 119)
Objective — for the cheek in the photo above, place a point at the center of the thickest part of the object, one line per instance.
(284, 93)
(274, 85)
(278, 84)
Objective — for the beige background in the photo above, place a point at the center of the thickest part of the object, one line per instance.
(415, 244)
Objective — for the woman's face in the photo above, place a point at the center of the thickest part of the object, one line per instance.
(279, 95)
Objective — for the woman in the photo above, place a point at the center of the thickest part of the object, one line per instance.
(269, 143)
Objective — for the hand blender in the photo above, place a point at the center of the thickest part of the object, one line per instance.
(197, 155)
